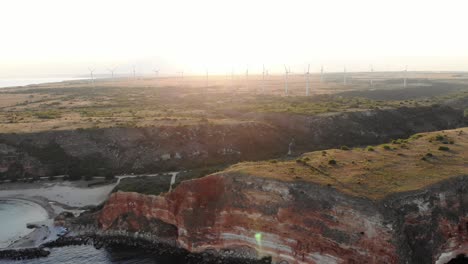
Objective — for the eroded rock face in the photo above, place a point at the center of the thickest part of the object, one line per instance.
(294, 222)
(301, 222)
(431, 225)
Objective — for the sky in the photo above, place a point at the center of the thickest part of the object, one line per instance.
(47, 37)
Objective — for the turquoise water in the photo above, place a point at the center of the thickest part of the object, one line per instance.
(14, 215)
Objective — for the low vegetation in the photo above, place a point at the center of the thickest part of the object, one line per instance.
(378, 172)
(147, 102)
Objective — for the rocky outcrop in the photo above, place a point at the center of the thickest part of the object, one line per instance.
(150, 149)
(431, 225)
(299, 222)
(254, 217)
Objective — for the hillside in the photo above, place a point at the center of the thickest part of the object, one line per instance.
(375, 172)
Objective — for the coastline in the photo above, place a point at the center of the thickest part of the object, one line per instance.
(54, 198)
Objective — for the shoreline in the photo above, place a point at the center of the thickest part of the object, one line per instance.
(40, 228)
(54, 198)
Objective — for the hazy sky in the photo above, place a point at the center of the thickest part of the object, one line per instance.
(68, 36)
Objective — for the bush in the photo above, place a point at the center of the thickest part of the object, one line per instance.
(344, 148)
(387, 147)
(332, 162)
(444, 148)
(369, 148)
(429, 154)
(47, 114)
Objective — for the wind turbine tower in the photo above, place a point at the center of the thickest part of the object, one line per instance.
(372, 76)
(91, 72)
(112, 70)
(134, 73)
(321, 74)
(286, 74)
(307, 74)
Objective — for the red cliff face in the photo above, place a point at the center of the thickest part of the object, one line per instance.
(295, 222)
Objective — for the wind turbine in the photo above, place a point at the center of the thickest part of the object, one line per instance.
(286, 73)
(321, 74)
(112, 70)
(307, 74)
(134, 72)
(91, 72)
(181, 77)
(405, 76)
(372, 75)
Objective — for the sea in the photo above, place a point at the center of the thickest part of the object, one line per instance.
(14, 215)
(10, 82)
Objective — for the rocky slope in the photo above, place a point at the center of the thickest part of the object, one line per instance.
(150, 149)
(255, 217)
(244, 216)
(308, 219)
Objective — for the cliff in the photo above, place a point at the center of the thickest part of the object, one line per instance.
(149, 149)
(310, 211)
(254, 217)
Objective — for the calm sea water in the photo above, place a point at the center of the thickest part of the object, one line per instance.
(89, 255)
(9, 82)
(14, 215)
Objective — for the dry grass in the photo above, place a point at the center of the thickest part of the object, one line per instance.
(176, 101)
(374, 174)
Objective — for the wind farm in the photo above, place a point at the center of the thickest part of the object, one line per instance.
(104, 100)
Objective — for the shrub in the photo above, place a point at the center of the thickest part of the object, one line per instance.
(47, 114)
(429, 154)
(344, 148)
(387, 147)
(444, 148)
(369, 148)
(332, 162)
(273, 161)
